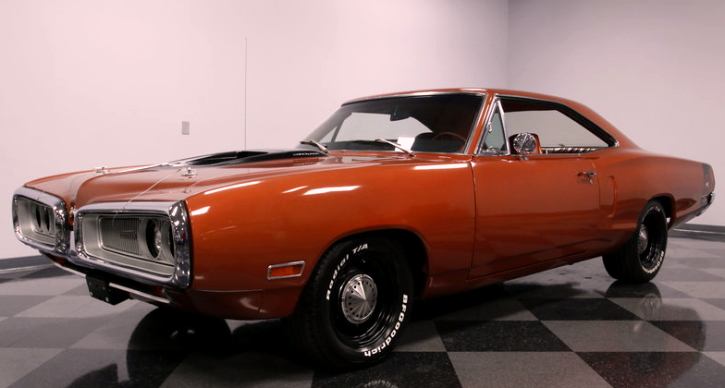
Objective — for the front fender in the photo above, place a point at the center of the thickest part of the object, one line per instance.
(240, 230)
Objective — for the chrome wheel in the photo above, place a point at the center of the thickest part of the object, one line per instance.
(359, 297)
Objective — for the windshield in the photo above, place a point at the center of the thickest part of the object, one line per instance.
(435, 123)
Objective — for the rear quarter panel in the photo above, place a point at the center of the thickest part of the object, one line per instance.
(629, 178)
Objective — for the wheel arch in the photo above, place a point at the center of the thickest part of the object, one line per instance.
(416, 253)
(668, 203)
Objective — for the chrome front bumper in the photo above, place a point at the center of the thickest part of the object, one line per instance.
(69, 244)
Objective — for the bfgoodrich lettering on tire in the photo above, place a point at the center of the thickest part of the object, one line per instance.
(642, 255)
(355, 305)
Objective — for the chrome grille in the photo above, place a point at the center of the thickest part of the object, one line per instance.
(148, 241)
(36, 220)
(40, 220)
(121, 234)
(140, 241)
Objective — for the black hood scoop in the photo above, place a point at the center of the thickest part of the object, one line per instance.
(243, 157)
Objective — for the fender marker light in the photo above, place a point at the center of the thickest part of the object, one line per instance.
(285, 270)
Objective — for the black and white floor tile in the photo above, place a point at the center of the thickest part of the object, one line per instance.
(568, 327)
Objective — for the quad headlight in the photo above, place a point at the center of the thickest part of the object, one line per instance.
(40, 220)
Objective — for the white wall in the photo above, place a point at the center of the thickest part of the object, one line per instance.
(85, 83)
(654, 68)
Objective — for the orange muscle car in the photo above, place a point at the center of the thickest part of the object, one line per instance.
(394, 197)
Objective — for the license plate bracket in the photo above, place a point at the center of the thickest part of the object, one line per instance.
(101, 290)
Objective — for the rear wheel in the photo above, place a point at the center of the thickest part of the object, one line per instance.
(642, 255)
(355, 305)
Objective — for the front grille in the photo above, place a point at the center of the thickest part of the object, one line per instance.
(121, 235)
(146, 241)
(36, 221)
(139, 241)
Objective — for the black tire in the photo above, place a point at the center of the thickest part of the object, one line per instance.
(641, 257)
(337, 336)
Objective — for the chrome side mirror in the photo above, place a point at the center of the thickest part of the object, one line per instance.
(524, 143)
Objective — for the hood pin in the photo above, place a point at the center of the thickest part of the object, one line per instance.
(188, 172)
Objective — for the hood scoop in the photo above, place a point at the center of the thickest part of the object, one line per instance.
(240, 157)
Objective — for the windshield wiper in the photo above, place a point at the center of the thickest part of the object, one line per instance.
(396, 145)
(383, 141)
(316, 144)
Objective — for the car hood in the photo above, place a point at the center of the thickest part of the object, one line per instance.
(181, 179)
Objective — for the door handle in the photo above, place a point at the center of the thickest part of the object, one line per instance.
(589, 174)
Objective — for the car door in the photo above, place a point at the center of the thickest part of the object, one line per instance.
(538, 207)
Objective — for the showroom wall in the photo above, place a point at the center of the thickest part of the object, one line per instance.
(654, 68)
(87, 83)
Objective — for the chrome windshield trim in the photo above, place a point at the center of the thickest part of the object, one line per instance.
(60, 220)
(176, 211)
(415, 94)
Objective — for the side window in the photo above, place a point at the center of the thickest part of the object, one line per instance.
(557, 131)
(495, 141)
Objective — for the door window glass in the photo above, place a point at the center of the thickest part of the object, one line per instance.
(559, 130)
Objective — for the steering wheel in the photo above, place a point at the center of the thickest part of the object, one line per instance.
(451, 134)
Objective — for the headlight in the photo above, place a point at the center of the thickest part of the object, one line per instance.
(159, 239)
(40, 220)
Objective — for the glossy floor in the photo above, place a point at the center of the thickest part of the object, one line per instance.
(568, 327)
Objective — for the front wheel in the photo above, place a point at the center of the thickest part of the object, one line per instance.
(355, 305)
(642, 255)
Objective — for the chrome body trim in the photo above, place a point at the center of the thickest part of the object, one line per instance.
(60, 227)
(290, 264)
(139, 293)
(179, 219)
(74, 272)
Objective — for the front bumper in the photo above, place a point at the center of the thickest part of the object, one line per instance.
(244, 304)
(122, 282)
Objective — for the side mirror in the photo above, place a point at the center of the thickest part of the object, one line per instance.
(524, 143)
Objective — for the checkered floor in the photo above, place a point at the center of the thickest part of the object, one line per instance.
(568, 327)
